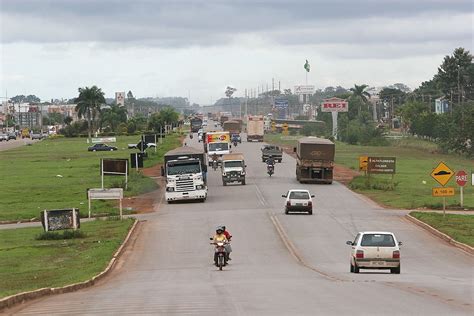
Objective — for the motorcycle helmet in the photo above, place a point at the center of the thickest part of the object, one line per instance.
(219, 230)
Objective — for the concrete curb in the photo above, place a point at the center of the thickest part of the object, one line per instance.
(437, 233)
(19, 298)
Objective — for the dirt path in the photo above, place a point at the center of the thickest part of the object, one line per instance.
(143, 203)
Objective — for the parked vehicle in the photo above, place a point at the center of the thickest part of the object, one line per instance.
(4, 137)
(314, 160)
(298, 201)
(185, 170)
(101, 147)
(255, 128)
(233, 168)
(272, 151)
(375, 250)
(11, 135)
(217, 143)
(36, 136)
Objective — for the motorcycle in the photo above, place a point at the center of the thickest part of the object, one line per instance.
(214, 165)
(235, 143)
(220, 254)
(270, 170)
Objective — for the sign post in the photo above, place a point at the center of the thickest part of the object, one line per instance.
(461, 180)
(105, 194)
(442, 174)
(334, 105)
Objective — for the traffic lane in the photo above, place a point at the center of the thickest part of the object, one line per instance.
(339, 214)
(170, 271)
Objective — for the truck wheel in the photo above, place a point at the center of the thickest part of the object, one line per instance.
(279, 161)
(224, 183)
(243, 182)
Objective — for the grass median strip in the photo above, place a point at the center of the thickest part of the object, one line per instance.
(458, 227)
(28, 264)
(55, 173)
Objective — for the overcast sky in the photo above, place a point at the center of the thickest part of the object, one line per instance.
(184, 47)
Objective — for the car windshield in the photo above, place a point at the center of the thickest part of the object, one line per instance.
(183, 168)
(377, 240)
(232, 164)
(299, 195)
(218, 146)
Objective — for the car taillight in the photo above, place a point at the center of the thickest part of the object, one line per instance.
(396, 254)
(359, 254)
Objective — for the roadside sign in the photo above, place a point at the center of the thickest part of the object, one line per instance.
(461, 178)
(442, 173)
(304, 89)
(363, 161)
(443, 191)
(334, 105)
(383, 165)
(284, 127)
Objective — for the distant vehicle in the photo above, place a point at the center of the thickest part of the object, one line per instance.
(233, 168)
(298, 201)
(216, 124)
(314, 160)
(271, 151)
(375, 250)
(204, 123)
(101, 147)
(196, 124)
(25, 133)
(199, 138)
(255, 128)
(11, 135)
(4, 137)
(36, 136)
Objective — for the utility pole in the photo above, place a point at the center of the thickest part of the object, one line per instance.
(459, 86)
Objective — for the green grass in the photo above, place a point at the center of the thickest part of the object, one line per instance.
(27, 264)
(29, 181)
(415, 161)
(458, 227)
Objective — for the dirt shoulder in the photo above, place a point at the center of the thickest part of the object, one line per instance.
(144, 203)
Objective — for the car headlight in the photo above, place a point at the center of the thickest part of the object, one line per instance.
(170, 189)
(224, 174)
(199, 187)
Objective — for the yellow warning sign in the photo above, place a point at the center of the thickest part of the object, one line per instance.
(284, 128)
(443, 191)
(442, 173)
(273, 126)
(363, 161)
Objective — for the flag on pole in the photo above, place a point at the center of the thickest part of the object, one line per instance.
(306, 66)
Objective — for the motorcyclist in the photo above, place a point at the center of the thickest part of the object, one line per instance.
(270, 161)
(214, 161)
(219, 237)
(228, 247)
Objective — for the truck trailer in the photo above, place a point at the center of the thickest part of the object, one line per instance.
(185, 170)
(255, 128)
(314, 160)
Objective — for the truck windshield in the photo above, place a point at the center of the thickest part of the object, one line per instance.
(232, 164)
(218, 146)
(183, 168)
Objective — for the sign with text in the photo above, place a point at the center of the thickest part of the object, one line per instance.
(461, 178)
(96, 140)
(60, 219)
(443, 192)
(218, 137)
(334, 105)
(442, 173)
(381, 165)
(304, 89)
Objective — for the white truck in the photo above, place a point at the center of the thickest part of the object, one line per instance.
(185, 169)
(233, 169)
(218, 143)
(255, 128)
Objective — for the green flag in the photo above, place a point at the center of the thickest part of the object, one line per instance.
(306, 66)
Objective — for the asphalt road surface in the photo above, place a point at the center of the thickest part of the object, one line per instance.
(282, 264)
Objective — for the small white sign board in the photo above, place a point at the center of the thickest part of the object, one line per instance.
(105, 194)
(96, 140)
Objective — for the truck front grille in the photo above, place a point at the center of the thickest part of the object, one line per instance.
(184, 185)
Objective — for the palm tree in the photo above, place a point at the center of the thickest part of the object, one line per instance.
(359, 91)
(114, 115)
(88, 104)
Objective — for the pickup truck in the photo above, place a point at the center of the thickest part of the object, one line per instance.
(271, 150)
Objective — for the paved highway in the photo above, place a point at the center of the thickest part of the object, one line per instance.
(282, 264)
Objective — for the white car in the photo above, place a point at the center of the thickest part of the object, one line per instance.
(375, 250)
(298, 201)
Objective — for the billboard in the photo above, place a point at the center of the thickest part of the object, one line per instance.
(382, 165)
(304, 89)
(334, 105)
(114, 166)
(60, 219)
(281, 106)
